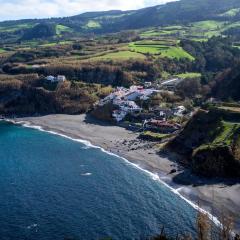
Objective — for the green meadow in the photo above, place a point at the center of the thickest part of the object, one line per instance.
(14, 28)
(61, 29)
(165, 49)
(121, 55)
(189, 75)
(92, 24)
(2, 50)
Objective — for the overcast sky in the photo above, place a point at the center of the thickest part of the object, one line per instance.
(19, 9)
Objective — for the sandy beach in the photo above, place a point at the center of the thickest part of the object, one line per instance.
(213, 195)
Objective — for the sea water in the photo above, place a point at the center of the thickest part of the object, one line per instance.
(53, 188)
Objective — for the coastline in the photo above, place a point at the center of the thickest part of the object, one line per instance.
(144, 155)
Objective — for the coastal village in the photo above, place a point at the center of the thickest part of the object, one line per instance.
(131, 105)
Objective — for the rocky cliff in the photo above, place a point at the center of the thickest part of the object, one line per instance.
(210, 142)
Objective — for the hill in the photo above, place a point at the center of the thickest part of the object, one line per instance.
(179, 12)
(210, 142)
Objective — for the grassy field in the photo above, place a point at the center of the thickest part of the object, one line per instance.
(92, 24)
(165, 49)
(231, 109)
(227, 134)
(51, 44)
(121, 55)
(231, 13)
(15, 27)
(198, 31)
(2, 50)
(61, 29)
(208, 25)
(154, 136)
(189, 75)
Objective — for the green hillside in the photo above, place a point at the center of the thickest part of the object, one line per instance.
(207, 15)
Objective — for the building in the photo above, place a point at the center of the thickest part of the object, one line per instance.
(179, 111)
(147, 84)
(171, 84)
(161, 112)
(59, 78)
(50, 78)
(132, 96)
(161, 126)
(130, 107)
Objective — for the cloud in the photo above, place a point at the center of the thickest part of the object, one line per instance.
(21, 9)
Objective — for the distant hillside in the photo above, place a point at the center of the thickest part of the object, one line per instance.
(180, 12)
(41, 30)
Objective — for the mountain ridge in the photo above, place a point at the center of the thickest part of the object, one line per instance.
(186, 11)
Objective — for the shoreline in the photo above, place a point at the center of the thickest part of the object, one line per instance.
(143, 155)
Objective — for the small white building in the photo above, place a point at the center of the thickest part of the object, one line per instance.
(59, 78)
(147, 84)
(130, 107)
(179, 111)
(50, 78)
(132, 96)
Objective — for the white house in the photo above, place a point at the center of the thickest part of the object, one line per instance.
(61, 78)
(132, 96)
(50, 78)
(179, 111)
(130, 107)
(147, 84)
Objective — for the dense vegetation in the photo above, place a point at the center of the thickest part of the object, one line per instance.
(210, 142)
(40, 31)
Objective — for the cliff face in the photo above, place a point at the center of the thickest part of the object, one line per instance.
(211, 144)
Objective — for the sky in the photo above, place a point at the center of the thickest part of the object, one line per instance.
(22, 9)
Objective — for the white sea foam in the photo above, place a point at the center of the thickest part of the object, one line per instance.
(86, 174)
(154, 176)
(32, 226)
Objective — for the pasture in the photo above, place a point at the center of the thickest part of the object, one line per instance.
(168, 49)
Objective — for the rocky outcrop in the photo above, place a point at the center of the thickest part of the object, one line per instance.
(219, 161)
(210, 144)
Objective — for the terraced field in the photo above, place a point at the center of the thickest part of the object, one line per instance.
(121, 55)
(198, 31)
(168, 49)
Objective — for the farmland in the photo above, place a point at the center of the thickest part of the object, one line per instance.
(16, 27)
(198, 31)
(166, 48)
(2, 50)
(120, 55)
(61, 29)
(189, 75)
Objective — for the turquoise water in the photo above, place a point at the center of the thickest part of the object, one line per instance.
(53, 188)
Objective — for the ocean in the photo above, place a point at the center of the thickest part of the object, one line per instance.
(53, 188)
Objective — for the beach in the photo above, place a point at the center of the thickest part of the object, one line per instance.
(212, 195)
